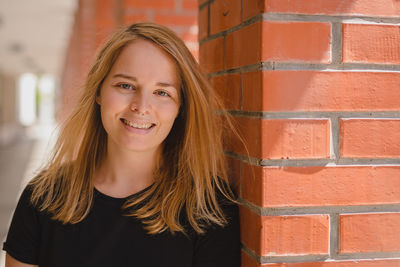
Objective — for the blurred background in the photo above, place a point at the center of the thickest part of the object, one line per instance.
(46, 48)
(34, 36)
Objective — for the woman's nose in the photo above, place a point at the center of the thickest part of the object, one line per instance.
(140, 103)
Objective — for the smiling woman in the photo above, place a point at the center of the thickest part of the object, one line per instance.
(144, 101)
(138, 176)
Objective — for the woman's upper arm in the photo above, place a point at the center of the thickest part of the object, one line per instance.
(23, 238)
(11, 262)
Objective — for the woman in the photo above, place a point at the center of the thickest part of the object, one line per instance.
(138, 176)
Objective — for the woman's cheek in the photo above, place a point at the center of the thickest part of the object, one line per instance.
(169, 110)
(115, 100)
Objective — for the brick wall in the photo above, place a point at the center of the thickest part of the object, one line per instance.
(95, 20)
(314, 86)
(179, 15)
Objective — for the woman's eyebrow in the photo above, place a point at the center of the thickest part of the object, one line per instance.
(165, 84)
(126, 76)
(121, 75)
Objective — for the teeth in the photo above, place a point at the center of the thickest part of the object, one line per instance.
(137, 125)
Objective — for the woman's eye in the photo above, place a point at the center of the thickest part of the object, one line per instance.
(162, 93)
(125, 86)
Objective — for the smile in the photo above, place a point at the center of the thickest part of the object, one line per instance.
(137, 124)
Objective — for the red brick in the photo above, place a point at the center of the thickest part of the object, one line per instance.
(355, 263)
(285, 235)
(234, 173)
(370, 138)
(330, 91)
(149, 4)
(228, 88)
(370, 233)
(250, 131)
(212, 55)
(277, 139)
(190, 5)
(296, 41)
(130, 18)
(252, 8)
(224, 14)
(325, 186)
(253, 184)
(371, 43)
(105, 11)
(175, 20)
(247, 261)
(250, 229)
(252, 91)
(105, 20)
(295, 235)
(384, 8)
(290, 139)
(203, 23)
(86, 27)
(241, 52)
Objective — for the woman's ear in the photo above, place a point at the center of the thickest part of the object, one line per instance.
(98, 98)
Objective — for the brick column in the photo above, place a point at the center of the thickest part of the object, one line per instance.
(314, 87)
(79, 55)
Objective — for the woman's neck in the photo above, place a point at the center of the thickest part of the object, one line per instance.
(124, 173)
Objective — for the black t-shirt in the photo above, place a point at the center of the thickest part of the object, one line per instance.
(108, 238)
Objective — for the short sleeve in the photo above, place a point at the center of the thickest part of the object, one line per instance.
(22, 241)
(220, 246)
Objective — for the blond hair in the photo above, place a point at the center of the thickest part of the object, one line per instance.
(188, 182)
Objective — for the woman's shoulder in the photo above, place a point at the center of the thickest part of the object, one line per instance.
(42, 186)
(26, 208)
(26, 194)
(27, 201)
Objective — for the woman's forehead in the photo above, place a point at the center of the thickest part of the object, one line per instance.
(144, 61)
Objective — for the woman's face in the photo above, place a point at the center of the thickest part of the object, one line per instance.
(140, 98)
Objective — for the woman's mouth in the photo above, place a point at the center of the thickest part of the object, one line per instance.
(138, 125)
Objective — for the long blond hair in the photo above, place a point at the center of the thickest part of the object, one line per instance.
(188, 182)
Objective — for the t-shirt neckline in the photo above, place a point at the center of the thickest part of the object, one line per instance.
(118, 200)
